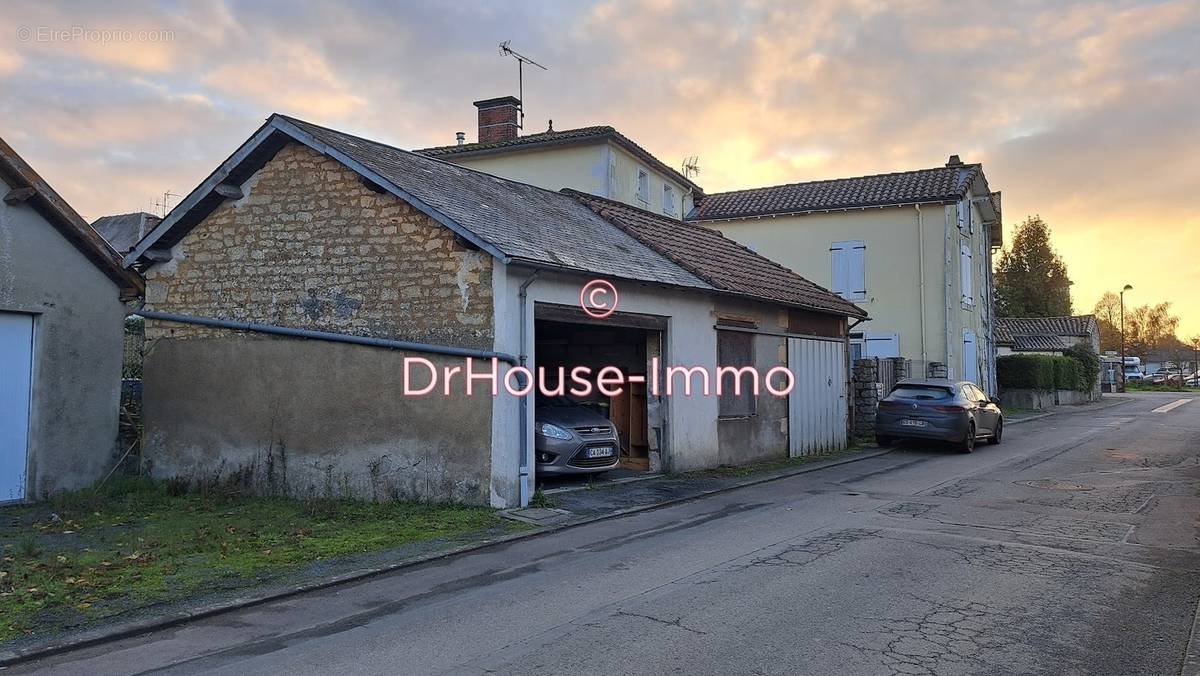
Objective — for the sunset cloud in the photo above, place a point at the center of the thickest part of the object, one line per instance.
(1087, 113)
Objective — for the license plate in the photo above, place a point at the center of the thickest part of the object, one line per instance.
(600, 452)
(913, 423)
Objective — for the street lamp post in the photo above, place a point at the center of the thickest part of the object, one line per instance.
(1127, 288)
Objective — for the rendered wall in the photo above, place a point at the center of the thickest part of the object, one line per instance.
(78, 329)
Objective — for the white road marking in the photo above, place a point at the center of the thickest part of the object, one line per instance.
(1171, 406)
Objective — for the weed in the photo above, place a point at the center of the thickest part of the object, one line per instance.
(540, 499)
(28, 547)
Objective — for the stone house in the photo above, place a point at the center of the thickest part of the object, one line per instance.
(61, 319)
(287, 294)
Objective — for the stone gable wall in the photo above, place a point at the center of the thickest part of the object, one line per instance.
(311, 246)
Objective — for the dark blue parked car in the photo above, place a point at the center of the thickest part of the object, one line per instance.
(939, 409)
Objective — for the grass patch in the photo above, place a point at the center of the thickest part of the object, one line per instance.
(88, 555)
(1137, 386)
(739, 471)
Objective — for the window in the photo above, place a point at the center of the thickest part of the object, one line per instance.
(849, 269)
(735, 349)
(668, 199)
(643, 186)
(966, 274)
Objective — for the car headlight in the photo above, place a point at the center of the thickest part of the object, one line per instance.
(552, 431)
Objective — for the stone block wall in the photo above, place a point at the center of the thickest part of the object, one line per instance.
(311, 246)
(865, 386)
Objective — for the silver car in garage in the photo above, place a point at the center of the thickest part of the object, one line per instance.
(572, 438)
(939, 409)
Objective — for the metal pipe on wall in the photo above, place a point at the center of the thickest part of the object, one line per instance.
(523, 487)
(326, 335)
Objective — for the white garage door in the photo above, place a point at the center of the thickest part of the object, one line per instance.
(16, 361)
(817, 407)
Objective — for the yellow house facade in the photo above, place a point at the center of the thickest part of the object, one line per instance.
(597, 160)
(918, 259)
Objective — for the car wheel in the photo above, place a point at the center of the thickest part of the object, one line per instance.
(998, 434)
(968, 444)
(884, 441)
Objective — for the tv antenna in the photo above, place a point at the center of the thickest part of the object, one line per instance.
(691, 166)
(162, 206)
(505, 50)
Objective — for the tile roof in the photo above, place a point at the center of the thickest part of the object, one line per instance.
(1077, 325)
(123, 231)
(564, 137)
(17, 173)
(522, 221)
(718, 260)
(1039, 343)
(1042, 334)
(940, 184)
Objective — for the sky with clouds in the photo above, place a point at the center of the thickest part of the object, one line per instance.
(1086, 113)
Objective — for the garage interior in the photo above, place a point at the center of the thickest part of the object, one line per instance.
(567, 338)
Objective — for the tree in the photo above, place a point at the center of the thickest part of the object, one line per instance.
(1149, 327)
(1108, 318)
(1031, 278)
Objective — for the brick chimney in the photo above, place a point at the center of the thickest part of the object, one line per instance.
(498, 118)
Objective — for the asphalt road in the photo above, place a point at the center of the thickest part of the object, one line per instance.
(1070, 548)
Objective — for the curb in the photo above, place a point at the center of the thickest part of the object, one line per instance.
(131, 629)
(1191, 656)
(1065, 409)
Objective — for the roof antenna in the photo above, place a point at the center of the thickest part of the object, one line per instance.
(162, 206)
(505, 50)
(691, 166)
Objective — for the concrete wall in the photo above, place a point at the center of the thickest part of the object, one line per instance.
(602, 168)
(77, 350)
(306, 418)
(310, 246)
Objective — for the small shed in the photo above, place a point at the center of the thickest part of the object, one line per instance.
(62, 289)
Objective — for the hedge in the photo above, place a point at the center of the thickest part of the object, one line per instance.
(1040, 372)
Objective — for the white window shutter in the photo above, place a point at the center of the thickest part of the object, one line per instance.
(849, 279)
(969, 357)
(881, 345)
(966, 274)
(858, 271)
(840, 275)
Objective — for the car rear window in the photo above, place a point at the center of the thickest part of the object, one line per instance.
(921, 392)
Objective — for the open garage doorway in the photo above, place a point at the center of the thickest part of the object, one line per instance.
(574, 434)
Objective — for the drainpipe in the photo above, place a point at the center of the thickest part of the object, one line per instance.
(946, 285)
(325, 335)
(523, 487)
(921, 269)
